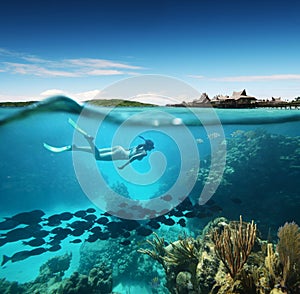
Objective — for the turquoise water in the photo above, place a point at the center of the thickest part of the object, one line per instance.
(260, 150)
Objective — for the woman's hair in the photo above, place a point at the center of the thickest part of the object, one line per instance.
(148, 145)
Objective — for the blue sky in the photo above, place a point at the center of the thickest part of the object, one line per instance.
(80, 47)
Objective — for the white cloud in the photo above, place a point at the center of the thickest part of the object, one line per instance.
(258, 78)
(53, 92)
(255, 78)
(14, 98)
(155, 99)
(104, 72)
(5, 52)
(99, 63)
(25, 64)
(196, 77)
(36, 70)
(82, 96)
(88, 95)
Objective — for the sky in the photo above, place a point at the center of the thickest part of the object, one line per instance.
(77, 48)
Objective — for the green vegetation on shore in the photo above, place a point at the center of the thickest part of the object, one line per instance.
(100, 103)
(16, 104)
(118, 103)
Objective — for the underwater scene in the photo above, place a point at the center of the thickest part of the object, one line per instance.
(149, 199)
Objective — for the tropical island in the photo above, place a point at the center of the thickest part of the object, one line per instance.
(96, 102)
(238, 99)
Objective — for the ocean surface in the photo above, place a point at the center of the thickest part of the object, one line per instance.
(223, 162)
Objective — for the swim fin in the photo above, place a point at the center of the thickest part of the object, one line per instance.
(57, 149)
(77, 128)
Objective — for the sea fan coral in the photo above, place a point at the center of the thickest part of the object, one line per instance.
(288, 249)
(234, 245)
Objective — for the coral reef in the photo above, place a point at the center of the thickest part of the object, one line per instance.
(184, 282)
(50, 281)
(229, 257)
(181, 259)
(98, 281)
(11, 287)
(124, 261)
(259, 165)
(50, 275)
(54, 268)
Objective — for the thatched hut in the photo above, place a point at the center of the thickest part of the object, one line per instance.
(242, 98)
(236, 100)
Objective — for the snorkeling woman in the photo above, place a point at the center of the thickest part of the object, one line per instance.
(107, 154)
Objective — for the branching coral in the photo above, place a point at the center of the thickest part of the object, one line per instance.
(234, 245)
(270, 266)
(179, 259)
(187, 261)
(184, 251)
(159, 250)
(288, 249)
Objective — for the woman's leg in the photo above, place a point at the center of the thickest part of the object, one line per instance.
(93, 148)
(104, 150)
(100, 154)
(104, 154)
(108, 154)
(81, 148)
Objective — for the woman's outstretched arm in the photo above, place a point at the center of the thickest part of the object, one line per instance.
(133, 158)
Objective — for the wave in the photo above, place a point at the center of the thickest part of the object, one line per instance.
(52, 104)
(156, 116)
